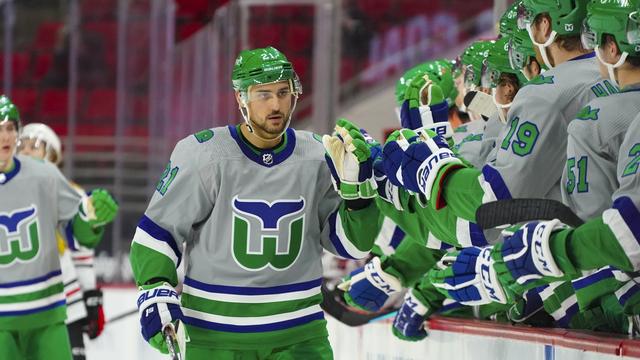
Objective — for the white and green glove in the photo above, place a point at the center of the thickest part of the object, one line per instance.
(349, 159)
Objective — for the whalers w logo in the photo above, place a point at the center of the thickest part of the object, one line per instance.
(267, 234)
(19, 239)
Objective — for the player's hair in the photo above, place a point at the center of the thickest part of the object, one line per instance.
(568, 43)
(632, 60)
(511, 79)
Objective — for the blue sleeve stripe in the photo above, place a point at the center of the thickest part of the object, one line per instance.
(588, 280)
(477, 235)
(493, 177)
(68, 232)
(565, 320)
(397, 237)
(628, 294)
(630, 214)
(253, 328)
(246, 290)
(160, 234)
(31, 281)
(335, 239)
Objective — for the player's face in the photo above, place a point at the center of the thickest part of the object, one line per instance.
(270, 107)
(8, 140)
(33, 148)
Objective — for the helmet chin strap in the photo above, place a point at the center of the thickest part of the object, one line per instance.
(611, 67)
(543, 47)
(244, 110)
(500, 106)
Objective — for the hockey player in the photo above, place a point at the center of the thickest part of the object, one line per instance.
(534, 137)
(36, 198)
(84, 299)
(255, 206)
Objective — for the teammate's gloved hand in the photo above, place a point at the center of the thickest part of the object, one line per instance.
(158, 305)
(409, 321)
(468, 277)
(99, 209)
(393, 152)
(95, 313)
(426, 162)
(424, 106)
(525, 256)
(349, 158)
(369, 287)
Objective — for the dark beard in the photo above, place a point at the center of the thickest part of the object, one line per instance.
(271, 130)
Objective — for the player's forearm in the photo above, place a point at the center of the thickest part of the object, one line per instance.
(361, 226)
(588, 247)
(85, 233)
(148, 264)
(462, 192)
(410, 261)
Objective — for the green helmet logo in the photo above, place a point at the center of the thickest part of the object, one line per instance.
(263, 66)
(8, 111)
(508, 20)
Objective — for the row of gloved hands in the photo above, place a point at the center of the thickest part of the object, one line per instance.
(471, 276)
(353, 156)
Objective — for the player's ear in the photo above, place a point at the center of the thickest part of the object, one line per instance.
(238, 99)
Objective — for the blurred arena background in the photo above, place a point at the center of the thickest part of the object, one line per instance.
(122, 80)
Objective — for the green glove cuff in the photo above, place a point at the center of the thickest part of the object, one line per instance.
(364, 190)
(85, 233)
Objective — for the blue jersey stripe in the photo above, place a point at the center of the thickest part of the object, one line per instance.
(588, 280)
(68, 232)
(397, 237)
(335, 240)
(254, 328)
(630, 214)
(31, 281)
(32, 311)
(477, 235)
(564, 321)
(245, 290)
(493, 177)
(157, 232)
(627, 295)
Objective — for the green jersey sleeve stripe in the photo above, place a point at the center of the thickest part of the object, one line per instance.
(340, 241)
(615, 219)
(244, 310)
(142, 238)
(251, 299)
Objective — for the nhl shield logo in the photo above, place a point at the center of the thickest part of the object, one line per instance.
(267, 159)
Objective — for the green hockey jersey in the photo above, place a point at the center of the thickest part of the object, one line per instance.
(35, 199)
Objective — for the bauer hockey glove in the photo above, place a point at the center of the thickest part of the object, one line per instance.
(468, 277)
(95, 314)
(369, 287)
(158, 306)
(424, 106)
(525, 257)
(409, 321)
(349, 159)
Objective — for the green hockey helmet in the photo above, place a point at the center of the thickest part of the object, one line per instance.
(472, 61)
(263, 66)
(497, 63)
(9, 112)
(619, 18)
(520, 49)
(509, 20)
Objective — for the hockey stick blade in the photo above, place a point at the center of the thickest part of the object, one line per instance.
(514, 211)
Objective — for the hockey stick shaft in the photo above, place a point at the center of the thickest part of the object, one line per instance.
(514, 211)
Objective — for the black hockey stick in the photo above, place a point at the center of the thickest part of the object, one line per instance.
(124, 315)
(513, 211)
(333, 305)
